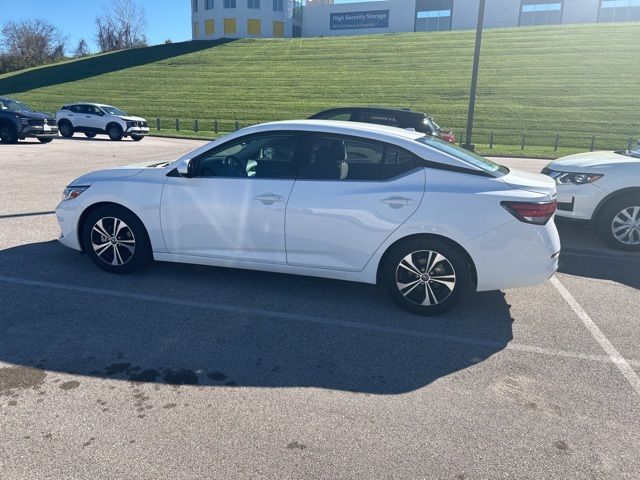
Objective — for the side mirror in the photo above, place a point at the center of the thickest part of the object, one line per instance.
(186, 168)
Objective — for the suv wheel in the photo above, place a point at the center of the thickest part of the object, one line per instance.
(8, 134)
(116, 240)
(426, 276)
(66, 129)
(45, 140)
(618, 224)
(115, 132)
(137, 138)
(90, 134)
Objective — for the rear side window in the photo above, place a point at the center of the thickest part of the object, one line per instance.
(333, 157)
(76, 108)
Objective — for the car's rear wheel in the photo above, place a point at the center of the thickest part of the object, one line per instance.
(45, 140)
(8, 133)
(90, 135)
(426, 276)
(115, 132)
(618, 223)
(66, 129)
(137, 138)
(116, 240)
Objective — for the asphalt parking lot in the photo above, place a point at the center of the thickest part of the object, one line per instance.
(194, 372)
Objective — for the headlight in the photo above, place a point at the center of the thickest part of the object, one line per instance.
(72, 192)
(565, 178)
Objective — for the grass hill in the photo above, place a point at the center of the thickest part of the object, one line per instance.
(578, 80)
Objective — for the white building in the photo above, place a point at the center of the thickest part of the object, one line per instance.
(212, 19)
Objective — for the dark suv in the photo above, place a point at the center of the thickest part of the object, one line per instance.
(17, 122)
(394, 117)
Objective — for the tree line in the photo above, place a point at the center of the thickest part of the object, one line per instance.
(34, 42)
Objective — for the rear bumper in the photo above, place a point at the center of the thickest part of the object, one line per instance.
(514, 255)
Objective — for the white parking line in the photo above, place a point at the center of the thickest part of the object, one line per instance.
(622, 364)
(296, 317)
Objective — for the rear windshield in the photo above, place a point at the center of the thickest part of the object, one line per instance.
(464, 155)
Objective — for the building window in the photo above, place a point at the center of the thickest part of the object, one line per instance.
(209, 4)
(229, 3)
(433, 15)
(230, 27)
(540, 12)
(278, 5)
(278, 29)
(619, 11)
(196, 30)
(254, 27)
(194, 6)
(253, 3)
(209, 28)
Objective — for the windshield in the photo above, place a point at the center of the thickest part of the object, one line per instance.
(113, 111)
(635, 152)
(13, 106)
(464, 155)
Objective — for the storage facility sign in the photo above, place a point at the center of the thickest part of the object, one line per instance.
(355, 20)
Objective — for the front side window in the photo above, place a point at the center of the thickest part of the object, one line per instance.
(333, 157)
(334, 115)
(257, 156)
(379, 119)
(13, 106)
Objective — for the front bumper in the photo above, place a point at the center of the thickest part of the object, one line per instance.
(579, 201)
(138, 131)
(68, 215)
(39, 131)
(515, 254)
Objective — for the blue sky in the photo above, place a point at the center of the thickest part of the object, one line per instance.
(76, 18)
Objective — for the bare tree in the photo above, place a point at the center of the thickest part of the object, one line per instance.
(32, 42)
(82, 50)
(122, 25)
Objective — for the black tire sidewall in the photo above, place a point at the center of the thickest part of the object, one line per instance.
(111, 131)
(13, 134)
(455, 257)
(142, 254)
(137, 138)
(45, 140)
(62, 126)
(606, 216)
(90, 135)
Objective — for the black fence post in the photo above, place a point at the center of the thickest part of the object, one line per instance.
(237, 125)
(196, 126)
(177, 124)
(557, 143)
(522, 143)
(158, 124)
(593, 143)
(215, 126)
(491, 140)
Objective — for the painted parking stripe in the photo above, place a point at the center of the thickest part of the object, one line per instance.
(295, 317)
(27, 214)
(622, 364)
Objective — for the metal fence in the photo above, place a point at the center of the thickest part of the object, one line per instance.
(486, 138)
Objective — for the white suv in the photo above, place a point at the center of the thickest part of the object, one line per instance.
(94, 118)
(603, 187)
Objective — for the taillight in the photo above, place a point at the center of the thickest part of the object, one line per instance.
(536, 213)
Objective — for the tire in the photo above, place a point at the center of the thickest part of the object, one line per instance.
(137, 138)
(66, 129)
(45, 140)
(426, 293)
(90, 135)
(618, 223)
(8, 133)
(98, 240)
(115, 132)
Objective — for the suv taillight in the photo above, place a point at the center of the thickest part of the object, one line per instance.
(535, 213)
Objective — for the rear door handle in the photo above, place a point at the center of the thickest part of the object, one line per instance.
(398, 202)
(270, 198)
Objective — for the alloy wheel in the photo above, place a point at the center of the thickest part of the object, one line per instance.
(626, 226)
(113, 241)
(425, 277)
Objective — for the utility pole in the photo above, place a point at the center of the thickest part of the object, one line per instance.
(468, 144)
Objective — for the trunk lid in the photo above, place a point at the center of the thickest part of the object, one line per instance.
(531, 182)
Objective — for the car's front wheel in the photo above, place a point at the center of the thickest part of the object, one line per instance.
(66, 129)
(116, 240)
(137, 138)
(618, 223)
(115, 132)
(426, 276)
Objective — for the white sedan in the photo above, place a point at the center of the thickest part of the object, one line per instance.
(602, 187)
(349, 201)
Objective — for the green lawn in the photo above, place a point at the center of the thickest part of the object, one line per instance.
(575, 80)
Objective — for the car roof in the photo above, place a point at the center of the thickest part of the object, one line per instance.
(88, 103)
(397, 111)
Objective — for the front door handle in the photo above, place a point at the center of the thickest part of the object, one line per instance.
(398, 202)
(270, 198)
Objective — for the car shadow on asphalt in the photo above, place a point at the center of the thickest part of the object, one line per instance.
(184, 324)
